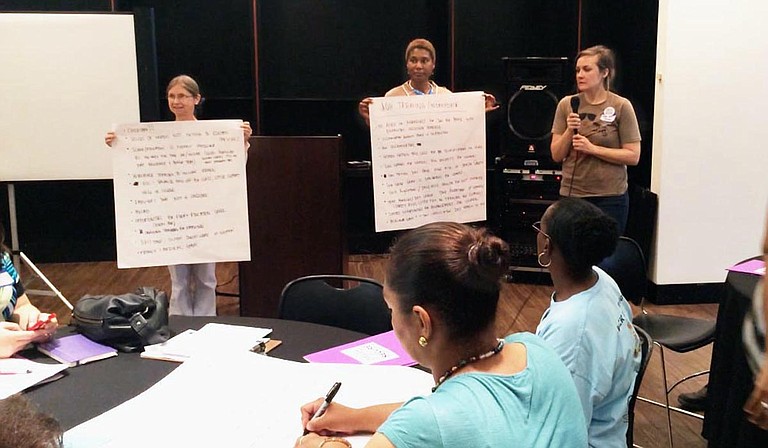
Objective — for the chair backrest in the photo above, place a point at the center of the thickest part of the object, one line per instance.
(641, 221)
(647, 349)
(627, 267)
(360, 308)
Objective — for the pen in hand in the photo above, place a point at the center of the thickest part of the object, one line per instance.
(326, 402)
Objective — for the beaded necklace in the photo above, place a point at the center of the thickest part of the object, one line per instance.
(448, 373)
(432, 89)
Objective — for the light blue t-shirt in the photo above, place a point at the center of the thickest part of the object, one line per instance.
(537, 407)
(593, 333)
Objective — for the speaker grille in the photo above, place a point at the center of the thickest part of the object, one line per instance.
(530, 113)
(534, 87)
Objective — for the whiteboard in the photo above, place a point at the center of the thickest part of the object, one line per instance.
(65, 79)
(709, 164)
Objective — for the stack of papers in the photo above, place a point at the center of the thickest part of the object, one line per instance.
(212, 338)
(256, 402)
(20, 373)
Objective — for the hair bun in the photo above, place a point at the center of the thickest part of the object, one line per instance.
(489, 256)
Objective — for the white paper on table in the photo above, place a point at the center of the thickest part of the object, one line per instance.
(180, 193)
(14, 379)
(177, 349)
(243, 400)
(370, 353)
(429, 159)
(213, 337)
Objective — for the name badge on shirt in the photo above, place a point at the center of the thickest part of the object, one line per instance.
(609, 115)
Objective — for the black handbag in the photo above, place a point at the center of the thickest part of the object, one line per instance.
(126, 322)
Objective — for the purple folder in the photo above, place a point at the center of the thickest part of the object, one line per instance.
(382, 349)
(754, 267)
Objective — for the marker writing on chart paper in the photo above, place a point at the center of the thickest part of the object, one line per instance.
(326, 402)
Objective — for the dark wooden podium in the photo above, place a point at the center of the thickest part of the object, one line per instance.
(295, 216)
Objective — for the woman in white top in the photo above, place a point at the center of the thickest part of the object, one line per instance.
(193, 286)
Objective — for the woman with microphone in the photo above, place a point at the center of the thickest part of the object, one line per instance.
(596, 136)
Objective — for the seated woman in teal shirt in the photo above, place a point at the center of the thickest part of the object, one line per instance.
(443, 282)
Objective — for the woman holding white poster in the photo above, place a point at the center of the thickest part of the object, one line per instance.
(193, 286)
(420, 65)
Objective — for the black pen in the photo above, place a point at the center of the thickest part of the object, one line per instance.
(326, 402)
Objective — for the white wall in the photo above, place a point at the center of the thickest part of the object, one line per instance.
(710, 144)
(64, 79)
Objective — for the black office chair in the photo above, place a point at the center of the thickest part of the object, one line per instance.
(645, 356)
(360, 308)
(680, 334)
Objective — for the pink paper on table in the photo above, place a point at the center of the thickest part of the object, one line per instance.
(382, 349)
(754, 267)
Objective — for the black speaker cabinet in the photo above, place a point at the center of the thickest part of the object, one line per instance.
(534, 87)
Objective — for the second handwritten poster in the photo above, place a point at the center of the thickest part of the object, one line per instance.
(180, 193)
(428, 154)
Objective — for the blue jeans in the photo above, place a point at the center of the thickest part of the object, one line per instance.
(617, 207)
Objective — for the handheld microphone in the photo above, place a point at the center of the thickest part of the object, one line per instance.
(575, 103)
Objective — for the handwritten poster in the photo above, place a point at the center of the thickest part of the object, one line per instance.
(180, 193)
(428, 154)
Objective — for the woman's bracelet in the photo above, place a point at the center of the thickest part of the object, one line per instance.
(335, 439)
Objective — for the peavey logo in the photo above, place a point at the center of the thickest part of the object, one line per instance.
(527, 87)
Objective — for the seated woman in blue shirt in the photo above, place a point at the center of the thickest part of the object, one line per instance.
(443, 282)
(17, 314)
(589, 323)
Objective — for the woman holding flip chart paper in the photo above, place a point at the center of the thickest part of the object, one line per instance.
(193, 286)
(442, 287)
(21, 322)
(420, 65)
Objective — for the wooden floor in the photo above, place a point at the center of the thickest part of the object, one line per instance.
(520, 308)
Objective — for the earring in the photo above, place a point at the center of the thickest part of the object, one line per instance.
(543, 265)
(423, 341)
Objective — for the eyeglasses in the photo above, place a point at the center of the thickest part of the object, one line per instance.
(589, 116)
(537, 227)
(179, 97)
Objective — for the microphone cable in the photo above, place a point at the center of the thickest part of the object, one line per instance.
(575, 103)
